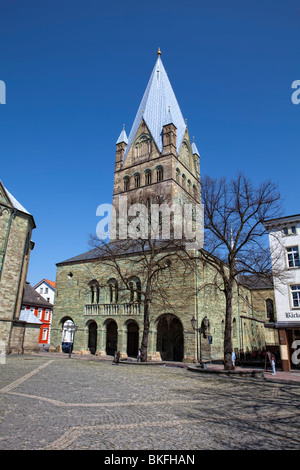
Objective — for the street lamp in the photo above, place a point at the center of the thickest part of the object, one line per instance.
(201, 330)
(72, 329)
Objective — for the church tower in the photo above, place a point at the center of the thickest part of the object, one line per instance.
(157, 163)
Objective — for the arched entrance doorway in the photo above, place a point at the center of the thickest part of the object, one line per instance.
(67, 338)
(111, 337)
(170, 342)
(92, 337)
(132, 339)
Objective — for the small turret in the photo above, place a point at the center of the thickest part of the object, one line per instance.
(120, 148)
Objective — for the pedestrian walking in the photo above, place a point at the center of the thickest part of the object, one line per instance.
(139, 356)
(273, 360)
(233, 358)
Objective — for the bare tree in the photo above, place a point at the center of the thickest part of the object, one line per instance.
(236, 241)
(149, 259)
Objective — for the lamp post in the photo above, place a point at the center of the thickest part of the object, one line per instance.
(72, 329)
(201, 330)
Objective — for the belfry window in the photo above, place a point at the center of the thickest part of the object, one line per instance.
(126, 183)
(137, 180)
(159, 173)
(148, 177)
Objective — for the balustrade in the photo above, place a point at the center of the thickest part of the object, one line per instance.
(113, 309)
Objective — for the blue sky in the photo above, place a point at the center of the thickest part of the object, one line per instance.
(76, 71)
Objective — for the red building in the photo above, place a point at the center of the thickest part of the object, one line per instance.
(42, 309)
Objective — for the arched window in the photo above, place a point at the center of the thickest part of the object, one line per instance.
(126, 183)
(177, 175)
(159, 173)
(270, 309)
(195, 191)
(183, 180)
(94, 292)
(143, 145)
(113, 291)
(138, 291)
(137, 180)
(234, 329)
(147, 177)
(131, 290)
(189, 185)
(135, 290)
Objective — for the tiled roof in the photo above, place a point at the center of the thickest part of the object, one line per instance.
(50, 283)
(32, 299)
(158, 106)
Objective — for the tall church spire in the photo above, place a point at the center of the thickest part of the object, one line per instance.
(158, 104)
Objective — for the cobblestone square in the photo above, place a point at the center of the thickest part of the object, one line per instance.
(60, 403)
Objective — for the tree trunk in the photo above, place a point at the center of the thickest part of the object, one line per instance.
(227, 336)
(144, 345)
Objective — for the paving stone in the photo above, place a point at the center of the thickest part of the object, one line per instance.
(61, 403)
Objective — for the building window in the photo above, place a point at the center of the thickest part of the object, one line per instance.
(147, 177)
(46, 290)
(137, 180)
(135, 290)
(94, 292)
(177, 175)
(40, 314)
(44, 334)
(293, 257)
(295, 291)
(292, 230)
(159, 174)
(126, 183)
(270, 309)
(41, 290)
(113, 291)
(131, 290)
(183, 181)
(47, 315)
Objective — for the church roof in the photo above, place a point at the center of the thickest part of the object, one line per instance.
(158, 106)
(15, 203)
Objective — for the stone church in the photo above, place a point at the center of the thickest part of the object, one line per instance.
(17, 335)
(156, 160)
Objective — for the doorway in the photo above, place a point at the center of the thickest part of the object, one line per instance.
(132, 339)
(170, 342)
(92, 338)
(111, 338)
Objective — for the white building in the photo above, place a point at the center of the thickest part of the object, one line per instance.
(46, 289)
(284, 237)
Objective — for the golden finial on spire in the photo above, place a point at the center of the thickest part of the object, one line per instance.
(159, 52)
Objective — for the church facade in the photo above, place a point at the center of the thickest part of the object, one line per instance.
(156, 164)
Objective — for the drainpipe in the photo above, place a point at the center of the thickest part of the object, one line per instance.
(197, 313)
(6, 236)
